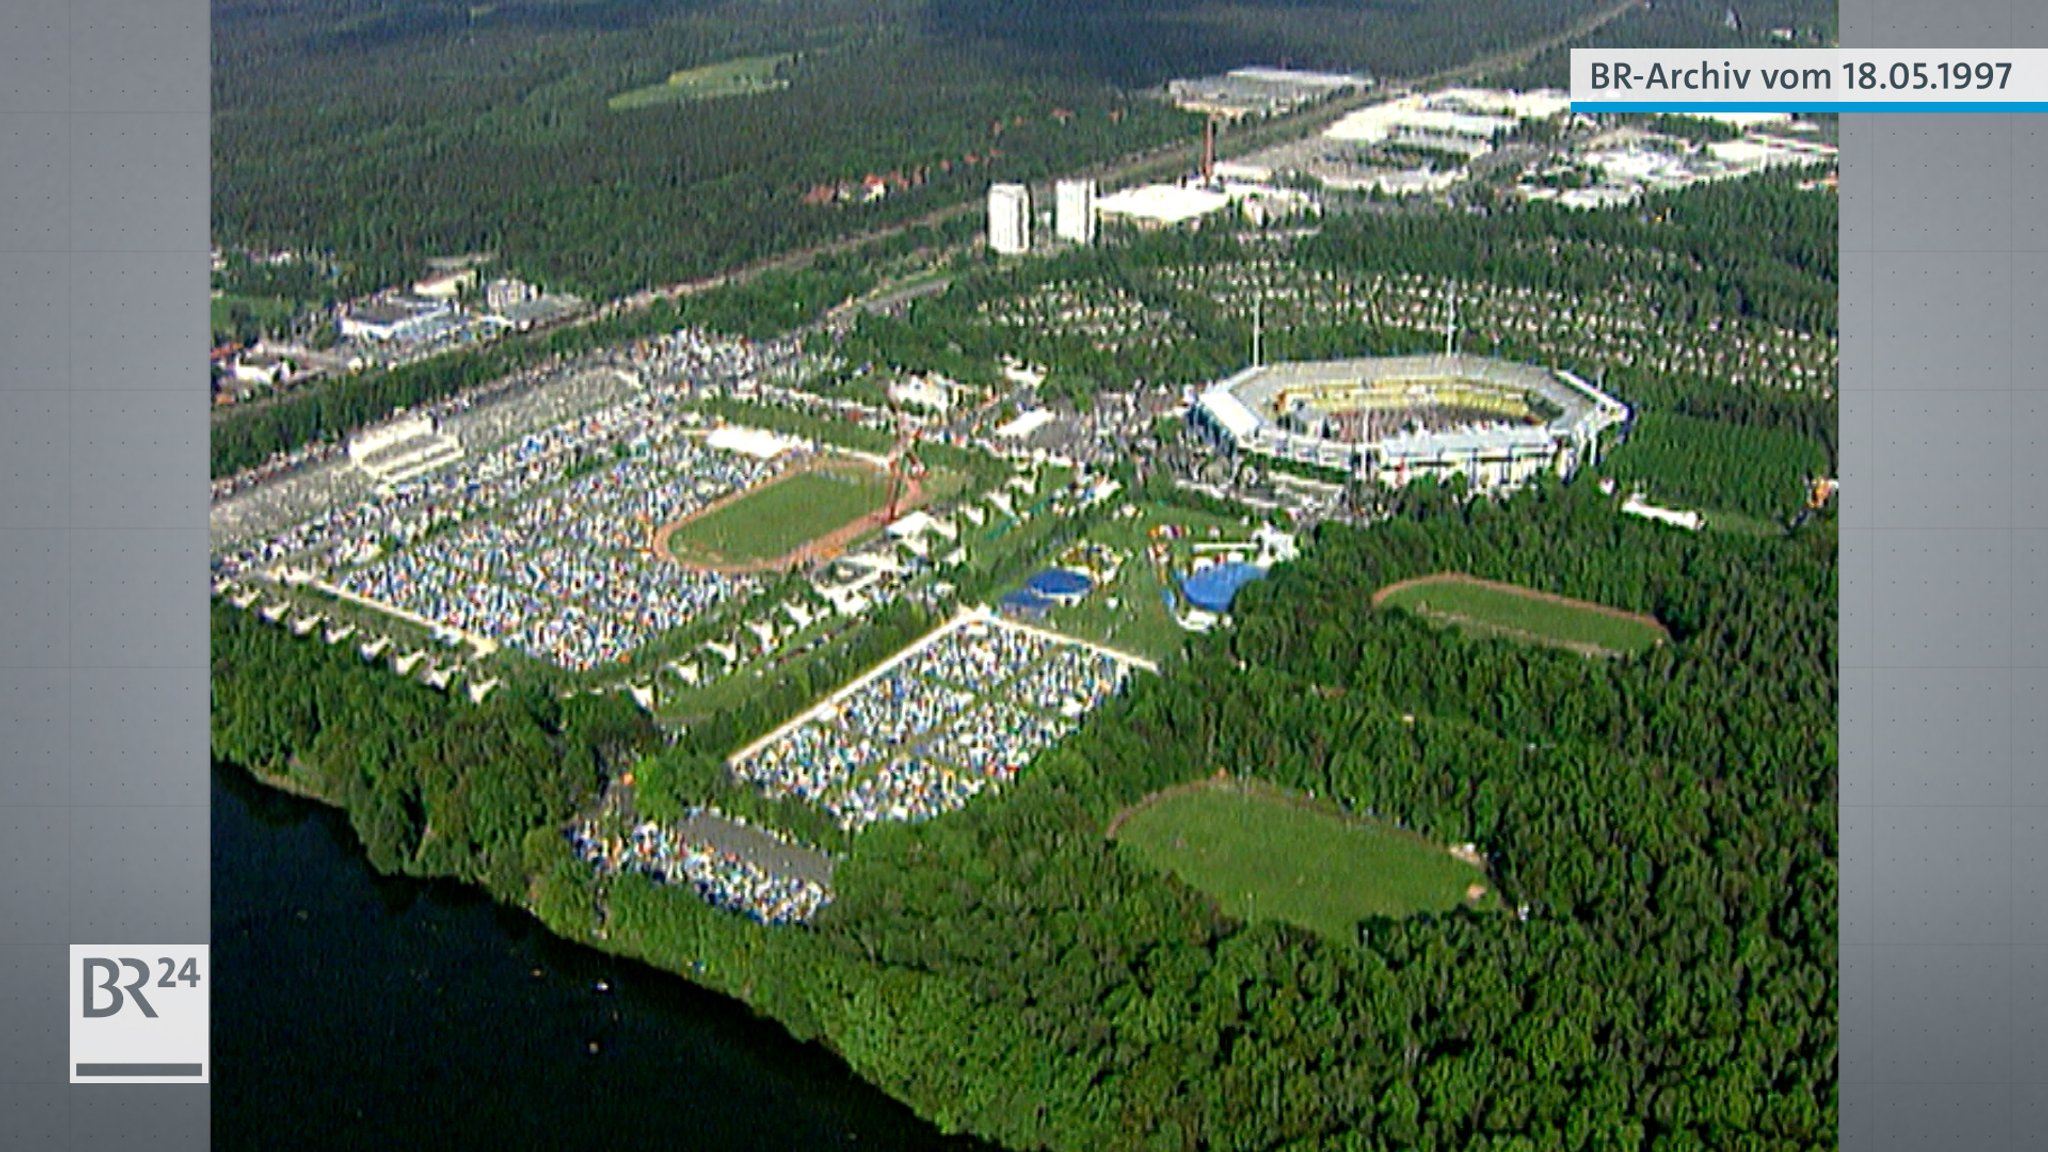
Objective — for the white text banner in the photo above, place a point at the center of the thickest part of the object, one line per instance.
(1810, 80)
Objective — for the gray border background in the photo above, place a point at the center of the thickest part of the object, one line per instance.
(1944, 736)
(103, 649)
(1944, 678)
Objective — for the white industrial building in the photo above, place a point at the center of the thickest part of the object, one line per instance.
(397, 318)
(445, 285)
(1262, 204)
(1743, 120)
(1259, 91)
(1161, 205)
(1536, 104)
(755, 442)
(1242, 172)
(1009, 219)
(505, 293)
(1024, 425)
(1758, 151)
(1074, 211)
(1461, 120)
(261, 367)
(928, 392)
(1413, 119)
(1176, 205)
(1630, 163)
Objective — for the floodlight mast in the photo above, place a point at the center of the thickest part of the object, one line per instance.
(1451, 321)
(904, 466)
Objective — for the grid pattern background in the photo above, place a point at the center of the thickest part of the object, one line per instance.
(1944, 785)
(103, 657)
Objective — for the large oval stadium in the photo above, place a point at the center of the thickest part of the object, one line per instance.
(1400, 418)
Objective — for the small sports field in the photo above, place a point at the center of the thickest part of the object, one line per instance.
(777, 519)
(743, 76)
(1266, 854)
(1487, 609)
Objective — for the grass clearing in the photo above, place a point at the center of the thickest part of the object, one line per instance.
(778, 518)
(744, 76)
(688, 703)
(1489, 610)
(1262, 853)
(1738, 524)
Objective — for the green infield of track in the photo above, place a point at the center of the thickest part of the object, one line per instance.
(1487, 611)
(1264, 854)
(781, 517)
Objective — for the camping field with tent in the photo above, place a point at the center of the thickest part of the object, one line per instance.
(1141, 602)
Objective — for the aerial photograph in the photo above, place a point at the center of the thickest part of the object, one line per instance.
(1018, 574)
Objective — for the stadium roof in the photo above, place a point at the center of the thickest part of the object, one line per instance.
(1229, 411)
(1465, 441)
(1252, 392)
(1246, 410)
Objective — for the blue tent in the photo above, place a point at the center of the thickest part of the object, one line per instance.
(1025, 602)
(1059, 584)
(1213, 588)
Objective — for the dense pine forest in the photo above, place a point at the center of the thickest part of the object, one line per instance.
(389, 133)
(1692, 24)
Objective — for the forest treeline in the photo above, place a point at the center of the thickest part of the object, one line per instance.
(1689, 25)
(1140, 43)
(434, 786)
(1667, 821)
(1723, 467)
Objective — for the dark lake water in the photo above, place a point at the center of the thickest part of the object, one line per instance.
(352, 1010)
